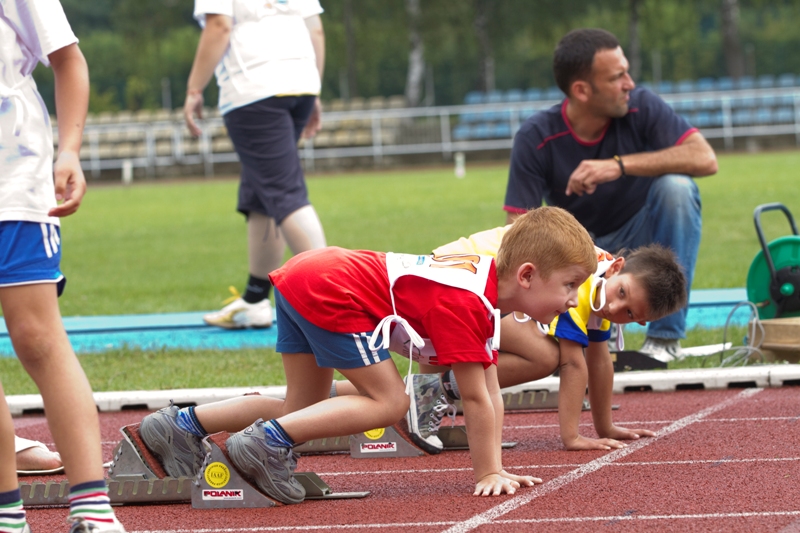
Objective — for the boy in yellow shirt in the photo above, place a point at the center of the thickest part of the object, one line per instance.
(644, 286)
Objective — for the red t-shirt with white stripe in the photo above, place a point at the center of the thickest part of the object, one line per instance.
(347, 291)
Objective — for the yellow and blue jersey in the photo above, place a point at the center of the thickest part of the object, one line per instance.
(579, 324)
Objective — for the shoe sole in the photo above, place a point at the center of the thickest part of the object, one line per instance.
(160, 445)
(412, 414)
(240, 454)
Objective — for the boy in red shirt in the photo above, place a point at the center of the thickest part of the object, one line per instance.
(336, 310)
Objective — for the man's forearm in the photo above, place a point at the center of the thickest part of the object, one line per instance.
(693, 157)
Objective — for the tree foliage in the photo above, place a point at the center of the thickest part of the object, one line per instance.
(137, 49)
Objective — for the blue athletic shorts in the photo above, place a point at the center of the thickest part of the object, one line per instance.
(331, 350)
(30, 253)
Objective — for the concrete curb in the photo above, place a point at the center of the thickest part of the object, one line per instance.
(657, 381)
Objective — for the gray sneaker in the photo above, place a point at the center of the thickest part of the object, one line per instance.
(664, 350)
(79, 525)
(271, 467)
(180, 452)
(429, 404)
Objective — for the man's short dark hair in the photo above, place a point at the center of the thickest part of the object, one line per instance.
(575, 52)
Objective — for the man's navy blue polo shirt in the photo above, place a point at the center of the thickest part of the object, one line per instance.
(546, 152)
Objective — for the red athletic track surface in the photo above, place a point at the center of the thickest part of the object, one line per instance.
(725, 460)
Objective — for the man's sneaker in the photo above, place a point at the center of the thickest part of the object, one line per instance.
(180, 452)
(664, 350)
(271, 467)
(428, 406)
(79, 525)
(240, 314)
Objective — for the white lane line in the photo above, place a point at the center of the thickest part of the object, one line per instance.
(643, 422)
(631, 517)
(529, 495)
(720, 461)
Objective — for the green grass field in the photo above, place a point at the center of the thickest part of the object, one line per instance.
(173, 246)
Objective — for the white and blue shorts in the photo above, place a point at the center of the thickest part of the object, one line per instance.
(331, 350)
(30, 253)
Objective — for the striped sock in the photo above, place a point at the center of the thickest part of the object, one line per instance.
(276, 435)
(12, 515)
(187, 420)
(89, 501)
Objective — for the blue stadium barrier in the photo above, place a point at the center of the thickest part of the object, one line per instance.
(742, 117)
(685, 86)
(786, 80)
(763, 115)
(554, 93)
(745, 83)
(665, 87)
(501, 130)
(474, 97)
(766, 81)
(461, 132)
(514, 95)
(494, 97)
(705, 85)
(534, 94)
(702, 119)
(725, 84)
(784, 115)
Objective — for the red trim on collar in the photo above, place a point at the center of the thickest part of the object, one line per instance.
(575, 135)
(548, 139)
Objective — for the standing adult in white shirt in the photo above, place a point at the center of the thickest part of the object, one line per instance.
(268, 58)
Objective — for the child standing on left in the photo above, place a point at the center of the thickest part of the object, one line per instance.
(35, 191)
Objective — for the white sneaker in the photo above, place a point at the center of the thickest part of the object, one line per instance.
(240, 314)
(664, 350)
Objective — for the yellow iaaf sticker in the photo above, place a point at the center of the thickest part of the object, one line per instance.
(374, 434)
(217, 475)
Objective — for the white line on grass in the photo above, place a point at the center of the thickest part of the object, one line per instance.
(328, 527)
(555, 484)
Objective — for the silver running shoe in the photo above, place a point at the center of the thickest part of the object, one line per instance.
(429, 404)
(664, 350)
(271, 467)
(79, 525)
(180, 452)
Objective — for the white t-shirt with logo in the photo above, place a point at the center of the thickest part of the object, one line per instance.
(29, 31)
(270, 52)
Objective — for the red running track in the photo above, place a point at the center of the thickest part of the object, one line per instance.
(726, 460)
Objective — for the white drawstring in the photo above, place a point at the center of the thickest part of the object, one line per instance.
(384, 328)
(544, 328)
(525, 318)
(496, 338)
(620, 339)
(597, 282)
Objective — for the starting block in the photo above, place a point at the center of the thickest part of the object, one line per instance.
(392, 441)
(136, 477)
(221, 486)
